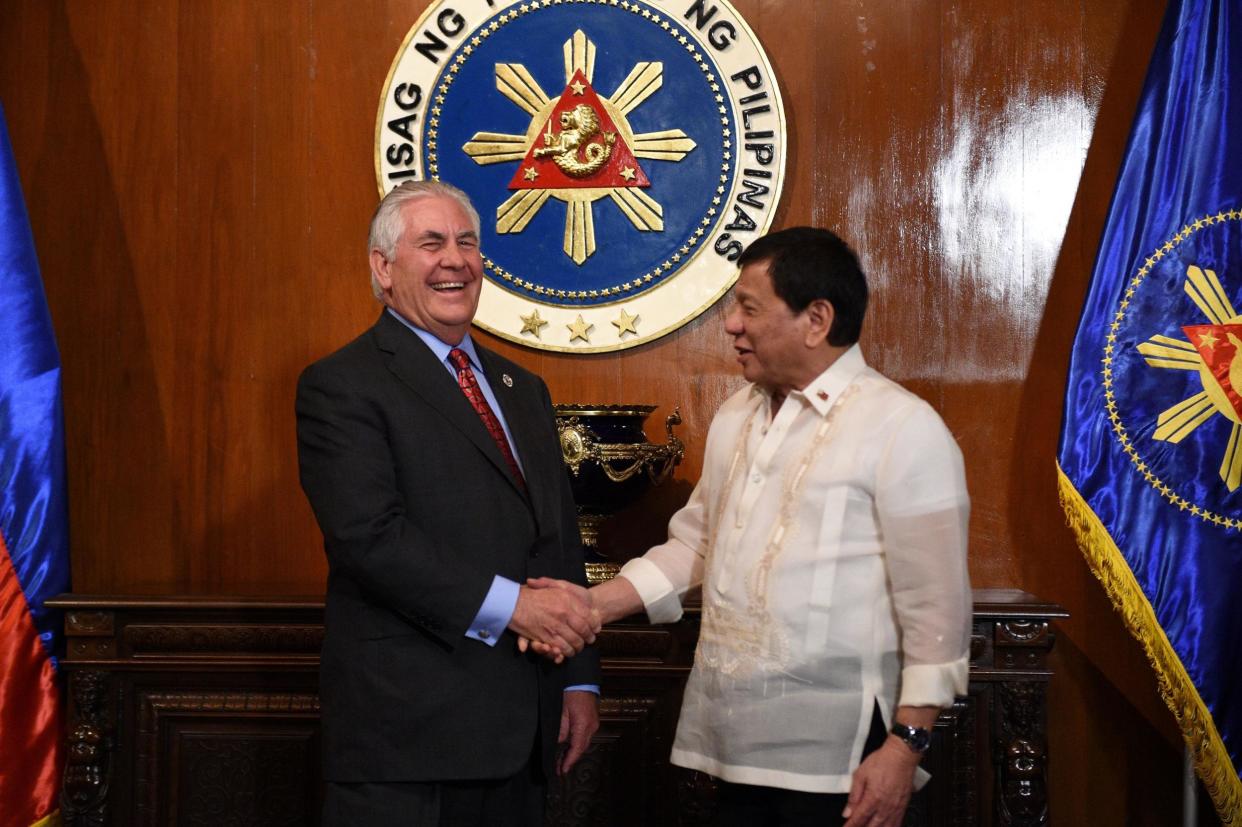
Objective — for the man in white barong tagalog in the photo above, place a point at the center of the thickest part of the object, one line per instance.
(828, 531)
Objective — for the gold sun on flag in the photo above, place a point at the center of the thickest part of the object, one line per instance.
(578, 127)
(1215, 351)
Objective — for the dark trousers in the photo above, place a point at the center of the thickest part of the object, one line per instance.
(508, 802)
(745, 805)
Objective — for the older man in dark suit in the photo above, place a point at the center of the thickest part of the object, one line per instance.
(434, 471)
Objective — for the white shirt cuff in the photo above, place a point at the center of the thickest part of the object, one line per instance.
(656, 591)
(934, 684)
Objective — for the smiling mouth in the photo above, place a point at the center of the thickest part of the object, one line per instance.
(448, 285)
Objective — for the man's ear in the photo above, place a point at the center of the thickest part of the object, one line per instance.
(379, 269)
(819, 315)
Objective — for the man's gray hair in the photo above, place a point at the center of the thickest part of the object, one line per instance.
(387, 226)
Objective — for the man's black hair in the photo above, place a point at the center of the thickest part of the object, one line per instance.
(808, 263)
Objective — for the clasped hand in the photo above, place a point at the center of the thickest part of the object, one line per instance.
(554, 617)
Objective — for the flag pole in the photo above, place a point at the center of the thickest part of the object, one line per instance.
(1190, 790)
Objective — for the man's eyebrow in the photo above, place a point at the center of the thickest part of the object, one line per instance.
(436, 235)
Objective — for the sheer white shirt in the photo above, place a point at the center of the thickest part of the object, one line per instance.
(830, 541)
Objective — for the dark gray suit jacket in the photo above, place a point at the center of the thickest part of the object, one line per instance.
(419, 512)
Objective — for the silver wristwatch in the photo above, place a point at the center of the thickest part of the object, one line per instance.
(917, 739)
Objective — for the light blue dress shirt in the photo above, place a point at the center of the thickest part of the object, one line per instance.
(497, 610)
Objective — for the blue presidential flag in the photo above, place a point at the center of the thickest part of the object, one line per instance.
(1150, 461)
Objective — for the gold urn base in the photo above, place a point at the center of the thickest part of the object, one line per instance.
(597, 573)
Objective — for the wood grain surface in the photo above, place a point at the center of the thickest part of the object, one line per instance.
(199, 175)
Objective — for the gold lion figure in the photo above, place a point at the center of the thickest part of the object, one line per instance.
(578, 126)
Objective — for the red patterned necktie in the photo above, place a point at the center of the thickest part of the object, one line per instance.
(474, 394)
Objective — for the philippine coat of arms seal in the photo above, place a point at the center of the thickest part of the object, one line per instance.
(621, 155)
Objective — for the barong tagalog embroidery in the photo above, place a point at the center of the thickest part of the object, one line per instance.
(621, 156)
(740, 640)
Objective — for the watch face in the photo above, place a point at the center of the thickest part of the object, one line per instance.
(917, 738)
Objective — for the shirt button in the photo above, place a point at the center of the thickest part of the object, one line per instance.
(483, 634)
(756, 478)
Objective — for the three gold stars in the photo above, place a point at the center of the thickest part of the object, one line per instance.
(580, 328)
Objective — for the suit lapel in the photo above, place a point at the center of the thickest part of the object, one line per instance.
(417, 367)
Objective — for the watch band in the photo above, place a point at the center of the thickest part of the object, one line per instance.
(917, 739)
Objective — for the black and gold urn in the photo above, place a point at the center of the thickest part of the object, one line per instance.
(610, 465)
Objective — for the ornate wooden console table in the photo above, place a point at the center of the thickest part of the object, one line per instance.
(204, 711)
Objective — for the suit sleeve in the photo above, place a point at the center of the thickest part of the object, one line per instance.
(348, 473)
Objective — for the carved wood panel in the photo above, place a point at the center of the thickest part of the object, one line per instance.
(204, 711)
(237, 758)
(88, 764)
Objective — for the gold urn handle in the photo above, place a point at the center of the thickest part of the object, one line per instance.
(621, 461)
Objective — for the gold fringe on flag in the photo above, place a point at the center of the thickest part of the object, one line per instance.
(1203, 741)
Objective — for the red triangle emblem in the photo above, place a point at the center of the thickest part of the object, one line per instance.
(579, 147)
(1220, 347)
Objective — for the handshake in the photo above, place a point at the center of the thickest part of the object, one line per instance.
(556, 618)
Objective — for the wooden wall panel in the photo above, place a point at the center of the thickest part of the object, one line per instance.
(199, 175)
